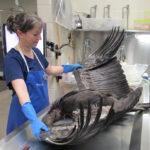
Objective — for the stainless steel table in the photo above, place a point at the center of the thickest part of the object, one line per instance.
(130, 133)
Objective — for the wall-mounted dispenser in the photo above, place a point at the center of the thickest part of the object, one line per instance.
(106, 11)
(125, 10)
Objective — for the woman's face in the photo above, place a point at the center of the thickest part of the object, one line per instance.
(32, 37)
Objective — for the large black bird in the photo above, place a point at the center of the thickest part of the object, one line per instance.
(103, 97)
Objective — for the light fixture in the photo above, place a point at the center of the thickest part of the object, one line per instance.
(16, 2)
(144, 38)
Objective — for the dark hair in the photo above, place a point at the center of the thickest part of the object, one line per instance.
(23, 22)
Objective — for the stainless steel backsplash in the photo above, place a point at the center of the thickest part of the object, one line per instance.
(135, 48)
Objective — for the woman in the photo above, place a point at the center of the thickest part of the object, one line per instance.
(25, 70)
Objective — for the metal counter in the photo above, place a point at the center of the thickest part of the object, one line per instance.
(132, 132)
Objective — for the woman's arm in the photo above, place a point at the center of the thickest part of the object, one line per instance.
(27, 108)
(21, 90)
(54, 70)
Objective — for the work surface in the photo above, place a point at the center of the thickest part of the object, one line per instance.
(130, 133)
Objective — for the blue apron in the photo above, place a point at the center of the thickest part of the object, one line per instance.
(36, 83)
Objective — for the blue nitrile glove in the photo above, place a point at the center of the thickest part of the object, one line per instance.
(69, 68)
(36, 124)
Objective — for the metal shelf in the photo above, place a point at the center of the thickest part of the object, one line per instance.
(130, 31)
(138, 31)
(99, 30)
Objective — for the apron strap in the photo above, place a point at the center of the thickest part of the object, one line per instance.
(20, 51)
(23, 57)
(38, 60)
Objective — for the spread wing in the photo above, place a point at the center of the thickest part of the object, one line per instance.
(102, 69)
(105, 52)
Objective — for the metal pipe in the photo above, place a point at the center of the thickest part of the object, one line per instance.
(12, 10)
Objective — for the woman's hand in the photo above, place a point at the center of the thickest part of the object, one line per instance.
(73, 67)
